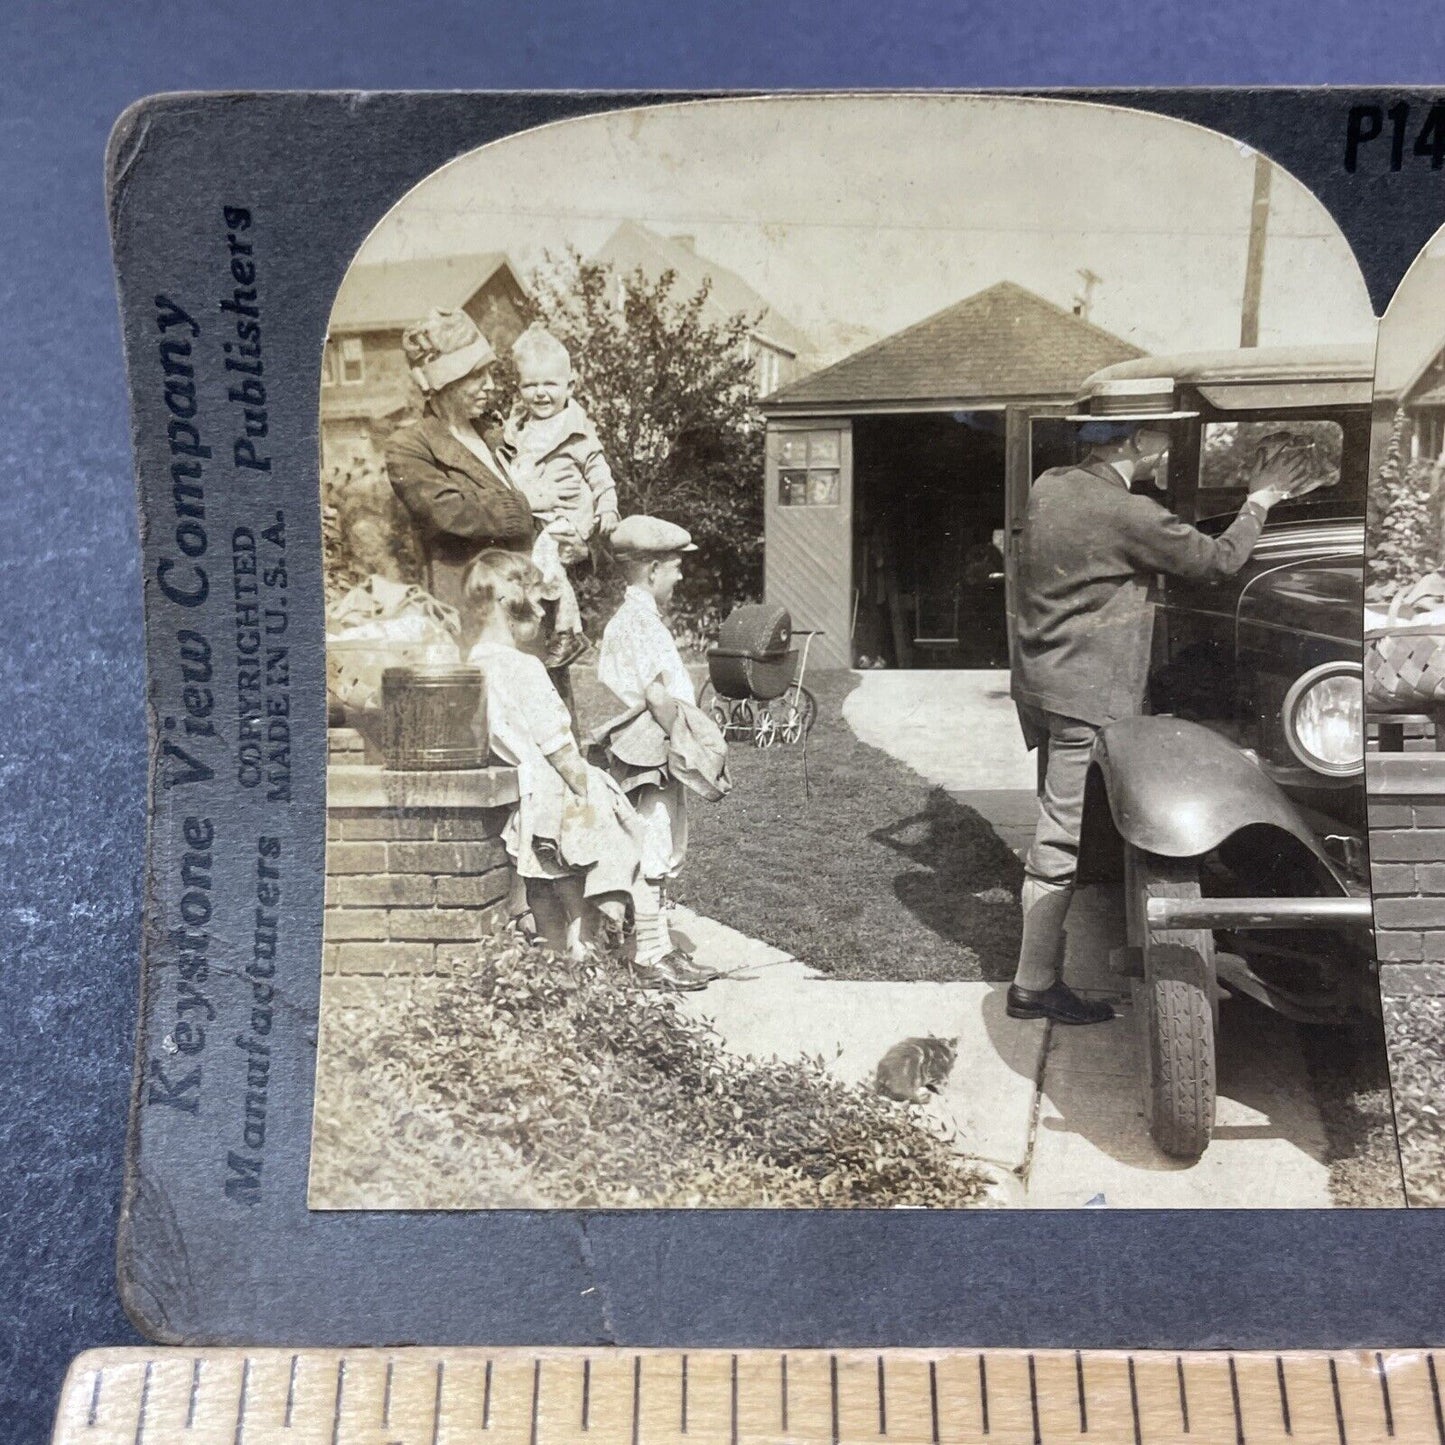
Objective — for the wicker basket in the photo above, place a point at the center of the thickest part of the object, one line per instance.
(1405, 661)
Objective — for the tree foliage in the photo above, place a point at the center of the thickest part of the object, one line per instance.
(1404, 540)
(670, 391)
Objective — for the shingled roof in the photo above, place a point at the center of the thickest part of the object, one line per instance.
(1001, 343)
(390, 295)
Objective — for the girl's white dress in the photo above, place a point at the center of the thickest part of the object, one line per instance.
(597, 837)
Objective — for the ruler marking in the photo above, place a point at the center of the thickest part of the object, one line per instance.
(336, 1404)
(290, 1391)
(1034, 1402)
(1435, 1398)
(1385, 1393)
(1234, 1399)
(833, 1394)
(91, 1386)
(241, 1401)
(1134, 1403)
(1339, 1404)
(733, 1405)
(145, 1399)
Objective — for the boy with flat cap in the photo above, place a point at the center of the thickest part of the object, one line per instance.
(640, 663)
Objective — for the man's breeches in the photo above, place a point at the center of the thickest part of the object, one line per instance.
(1065, 746)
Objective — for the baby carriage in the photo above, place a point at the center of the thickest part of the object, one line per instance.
(755, 680)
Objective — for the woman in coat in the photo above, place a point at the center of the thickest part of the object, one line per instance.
(454, 487)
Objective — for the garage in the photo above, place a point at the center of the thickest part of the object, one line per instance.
(885, 496)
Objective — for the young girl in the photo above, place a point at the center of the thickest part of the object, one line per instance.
(573, 837)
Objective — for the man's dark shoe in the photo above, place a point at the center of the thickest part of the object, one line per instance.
(1059, 1003)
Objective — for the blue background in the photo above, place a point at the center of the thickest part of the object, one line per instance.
(72, 752)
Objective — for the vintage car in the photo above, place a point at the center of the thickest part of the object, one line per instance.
(1233, 811)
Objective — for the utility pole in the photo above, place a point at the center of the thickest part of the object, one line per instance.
(1254, 261)
(1085, 299)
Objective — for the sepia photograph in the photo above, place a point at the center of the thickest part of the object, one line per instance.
(1405, 698)
(845, 671)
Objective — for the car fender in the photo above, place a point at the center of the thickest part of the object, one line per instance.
(1179, 789)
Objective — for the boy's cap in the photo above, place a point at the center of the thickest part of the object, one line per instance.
(642, 536)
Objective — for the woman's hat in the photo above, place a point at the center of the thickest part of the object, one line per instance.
(444, 348)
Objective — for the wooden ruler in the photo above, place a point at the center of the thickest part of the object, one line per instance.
(718, 1397)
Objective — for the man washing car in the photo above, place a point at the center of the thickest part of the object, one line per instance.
(1089, 551)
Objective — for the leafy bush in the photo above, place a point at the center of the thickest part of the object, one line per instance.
(529, 1081)
(364, 528)
(1403, 540)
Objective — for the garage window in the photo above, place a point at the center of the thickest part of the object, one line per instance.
(809, 468)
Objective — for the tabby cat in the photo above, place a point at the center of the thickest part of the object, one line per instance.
(915, 1068)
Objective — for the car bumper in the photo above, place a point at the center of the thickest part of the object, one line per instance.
(1251, 913)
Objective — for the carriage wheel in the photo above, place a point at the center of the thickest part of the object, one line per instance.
(765, 730)
(805, 710)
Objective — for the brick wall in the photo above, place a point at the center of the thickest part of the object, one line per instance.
(416, 873)
(1407, 856)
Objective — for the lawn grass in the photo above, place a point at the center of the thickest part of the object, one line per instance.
(845, 857)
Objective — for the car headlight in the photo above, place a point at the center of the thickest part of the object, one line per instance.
(1324, 719)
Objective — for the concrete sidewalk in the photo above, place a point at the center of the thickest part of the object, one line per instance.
(1057, 1113)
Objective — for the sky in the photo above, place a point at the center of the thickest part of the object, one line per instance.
(1412, 330)
(868, 213)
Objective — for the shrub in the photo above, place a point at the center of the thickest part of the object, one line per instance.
(530, 1081)
(1403, 541)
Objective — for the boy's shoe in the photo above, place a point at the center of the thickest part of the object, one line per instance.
(658, 975)
(685, 966)
(564, 648)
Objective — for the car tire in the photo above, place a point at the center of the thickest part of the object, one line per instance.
(1177, 1010)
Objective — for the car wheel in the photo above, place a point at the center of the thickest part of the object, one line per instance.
(1177, 1013)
